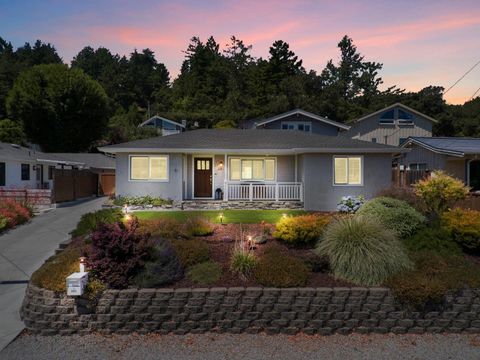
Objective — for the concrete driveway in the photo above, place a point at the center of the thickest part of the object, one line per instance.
(23, 250)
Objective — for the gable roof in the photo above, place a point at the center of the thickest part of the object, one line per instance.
(251, 141)
(304, 113)
(163, 119)
(14, 152)
(454, 146)
(394, 106)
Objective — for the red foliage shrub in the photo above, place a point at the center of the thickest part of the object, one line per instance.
(118, 252)
(14, 212)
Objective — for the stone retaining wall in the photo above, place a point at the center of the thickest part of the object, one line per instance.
(252, 310)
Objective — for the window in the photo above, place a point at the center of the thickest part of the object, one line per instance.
(2, 174)
(252, 169)
(347, 170)
(374, 140)
(404, 116)
(149, 168)
(295, 125)
(51, 171)
(388, 118)
(418, 166)
(25, 172)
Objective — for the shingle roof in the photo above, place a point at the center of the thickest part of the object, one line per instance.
(391, 107)
(458, 146)
(92, 160)
(249, 140)
(301, 112)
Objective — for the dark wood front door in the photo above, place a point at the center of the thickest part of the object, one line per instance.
(203, 177)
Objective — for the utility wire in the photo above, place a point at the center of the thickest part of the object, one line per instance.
(456, 82)
(475, 93)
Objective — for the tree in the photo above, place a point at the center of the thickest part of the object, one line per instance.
(11, 132)
(61, 109)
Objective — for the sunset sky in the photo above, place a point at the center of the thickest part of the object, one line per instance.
(419, 42)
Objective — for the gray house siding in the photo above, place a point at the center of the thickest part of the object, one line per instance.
(172, 189)
(318, 127)
(370, 128)
(421, 155)
(322, 195)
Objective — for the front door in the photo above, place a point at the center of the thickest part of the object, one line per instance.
(203, 177)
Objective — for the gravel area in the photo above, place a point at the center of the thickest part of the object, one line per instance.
(245, 347)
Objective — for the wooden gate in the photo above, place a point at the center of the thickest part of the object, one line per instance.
(405, 178)
(107, 184)
(74, 184)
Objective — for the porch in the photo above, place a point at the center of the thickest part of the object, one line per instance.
(278, 191)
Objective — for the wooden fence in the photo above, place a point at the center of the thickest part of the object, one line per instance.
(74, 184)
(405, 178)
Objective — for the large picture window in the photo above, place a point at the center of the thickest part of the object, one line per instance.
(347, 170)
(149, 168)
(253, 169)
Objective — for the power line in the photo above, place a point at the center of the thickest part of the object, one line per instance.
(475, 93)
(456, 82)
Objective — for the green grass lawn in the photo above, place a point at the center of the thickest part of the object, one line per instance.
(229, 216)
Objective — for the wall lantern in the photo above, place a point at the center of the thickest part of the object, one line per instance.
(220, 165)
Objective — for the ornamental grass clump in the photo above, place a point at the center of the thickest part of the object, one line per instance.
(363, 251)
(395, 214)
(198, 226)
(243, 261)
(89, 222)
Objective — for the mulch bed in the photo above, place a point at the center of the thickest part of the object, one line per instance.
(221, 245)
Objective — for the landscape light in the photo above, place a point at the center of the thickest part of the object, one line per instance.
(128, 217)
(284, 215)
(221, 218)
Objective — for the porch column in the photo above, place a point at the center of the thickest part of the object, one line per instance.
(296, 168)
(225, 178)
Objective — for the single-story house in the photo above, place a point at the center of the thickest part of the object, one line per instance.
(298, 119)
(391, 125)
(252, 165)
(164, 126)
(458, 156)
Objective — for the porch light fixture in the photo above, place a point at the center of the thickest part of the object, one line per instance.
(220, 165)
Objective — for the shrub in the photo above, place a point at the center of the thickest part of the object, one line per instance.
(3, 223)
(163, 268)
(117, 253)
(395, 214)
(439, 192)
(406, 194)
(363, 250)
(277, 269)
(198, 226)
(436, 240)
(94, 289)
(205, 273)
(301, 230)
(317, 263)
(52, 275)
(464, 227)
(165, 228)
(141, 201)
(424, 287)
(350, 204)
(14, 212)
(243, 263)
(89, 222)
(191, 252)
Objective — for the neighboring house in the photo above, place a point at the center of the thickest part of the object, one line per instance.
(458, 156)
(100, 164)
(298, 120)
(252, 165)
(391, 125)
(164, 126)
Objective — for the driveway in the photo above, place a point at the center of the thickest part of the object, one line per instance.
(23, 250)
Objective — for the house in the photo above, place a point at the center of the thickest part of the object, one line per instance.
(458, 156)
(298, 120)
(391, 125)
(252, 166)
(164, 125)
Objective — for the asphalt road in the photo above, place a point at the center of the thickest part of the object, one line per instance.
(245, 347)
(23, 250)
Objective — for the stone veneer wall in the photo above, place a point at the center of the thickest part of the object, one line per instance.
(252, 310)
(222, 205)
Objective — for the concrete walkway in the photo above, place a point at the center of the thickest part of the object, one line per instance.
(23, 250)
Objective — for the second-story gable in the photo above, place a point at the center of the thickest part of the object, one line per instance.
(164, 126)
(392, 125)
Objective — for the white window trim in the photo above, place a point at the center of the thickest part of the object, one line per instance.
(149, 156)
(296, 123)
(253, 158)
(213, 175)
(348, 156)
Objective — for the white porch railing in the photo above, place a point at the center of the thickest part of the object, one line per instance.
(285, 191)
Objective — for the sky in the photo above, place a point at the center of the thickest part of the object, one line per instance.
(419, 42)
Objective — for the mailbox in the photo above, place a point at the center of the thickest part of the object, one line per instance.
(76, 283)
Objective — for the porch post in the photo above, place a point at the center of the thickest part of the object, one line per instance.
(276, 191)
(301, 191)
(296, 168)
(250, 191)
(225, 178)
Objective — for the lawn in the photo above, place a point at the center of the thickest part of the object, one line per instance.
(229, 216)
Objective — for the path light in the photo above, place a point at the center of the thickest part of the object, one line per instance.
(125, 209)
(284, 215)
(250, 242)
(82, 264)
(128, 217)
(221, 218)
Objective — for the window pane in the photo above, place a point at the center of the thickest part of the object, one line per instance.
(340, 175)
(2, 174)
(307, 128)
(404, 115)
(284, 126)
(247, 169)
(374, 140)
(234, 169)
(25, 172)
(270, 169)
(388, 115)
(139, 167)
(257, 169)
(158, 168)
(300, 127)
(354, 170)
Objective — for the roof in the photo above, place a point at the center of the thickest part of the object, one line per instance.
(304, 113)
(92, 160)
(21, 153)
(249, 141)
(161, 118)
(394, 106)
(455, 146)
